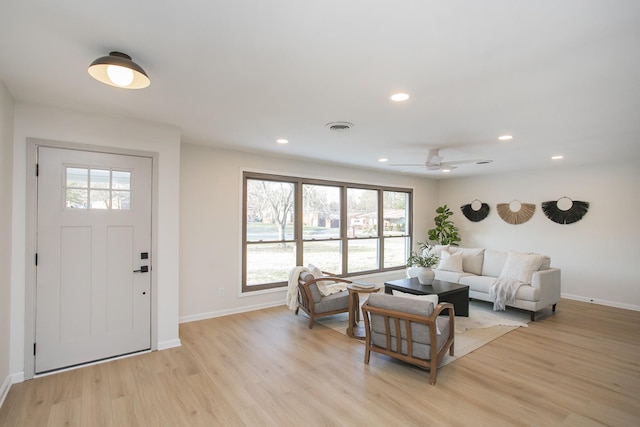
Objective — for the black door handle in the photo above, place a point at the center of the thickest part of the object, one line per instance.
(143, 269)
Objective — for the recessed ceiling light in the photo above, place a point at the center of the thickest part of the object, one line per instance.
(558, 157)
(399, 97)
(505, 137)
(282, 141)
(382, 160)
(446, 170)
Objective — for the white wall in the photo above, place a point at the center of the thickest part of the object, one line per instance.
(210, 222)
(39, 122)
(6, 157)
(598, 255)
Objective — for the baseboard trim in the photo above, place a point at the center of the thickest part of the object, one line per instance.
(4, 389)
(227, 312)
(601, 302)
(164, 345)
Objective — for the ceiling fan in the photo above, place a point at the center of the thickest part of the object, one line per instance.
(434, 162)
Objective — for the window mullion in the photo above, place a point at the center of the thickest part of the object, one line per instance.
(297, 225)
(343, 227)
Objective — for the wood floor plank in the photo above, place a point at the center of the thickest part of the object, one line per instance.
(576, 367)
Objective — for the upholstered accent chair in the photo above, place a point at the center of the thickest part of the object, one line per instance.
(409, 330)
(312, 301)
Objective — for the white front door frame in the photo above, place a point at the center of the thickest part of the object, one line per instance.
(31, 238)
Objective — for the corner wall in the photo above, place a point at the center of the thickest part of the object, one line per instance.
(598, 255)
(211, 215)
(6, 170)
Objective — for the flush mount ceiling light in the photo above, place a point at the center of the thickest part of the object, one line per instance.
(118, 70)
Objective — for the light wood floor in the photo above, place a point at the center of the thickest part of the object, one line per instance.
(578, 367)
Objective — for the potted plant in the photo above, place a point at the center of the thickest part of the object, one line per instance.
(445, 232)
(419, 263)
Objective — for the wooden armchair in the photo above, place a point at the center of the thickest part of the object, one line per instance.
(312, 302)
(425, 336)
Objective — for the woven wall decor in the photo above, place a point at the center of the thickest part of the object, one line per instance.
(573, 213)
(473, 214)
(520, 216)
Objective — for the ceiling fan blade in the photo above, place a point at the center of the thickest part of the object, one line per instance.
(463, 162)
(406, 164)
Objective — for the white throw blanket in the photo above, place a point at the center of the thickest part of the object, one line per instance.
(504, 291)
(292, 290)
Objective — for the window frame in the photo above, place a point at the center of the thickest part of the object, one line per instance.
(298, 239)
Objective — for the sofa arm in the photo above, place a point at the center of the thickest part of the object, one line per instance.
(549, 283)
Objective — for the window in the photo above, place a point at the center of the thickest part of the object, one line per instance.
(87, 188)
(345, 228)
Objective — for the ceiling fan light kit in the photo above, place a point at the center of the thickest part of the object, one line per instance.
(118, 70)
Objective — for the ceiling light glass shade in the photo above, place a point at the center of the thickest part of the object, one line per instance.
(119, 70)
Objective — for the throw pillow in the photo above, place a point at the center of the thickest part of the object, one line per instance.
(450, 262)
(437, 249)
(432, 298)
(521, 266)
(323, 287)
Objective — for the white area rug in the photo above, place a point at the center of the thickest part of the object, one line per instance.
(481, 327)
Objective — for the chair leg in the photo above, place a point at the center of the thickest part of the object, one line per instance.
(297, 309)
(311, 320)
(367, 354)
(432, 375)
(553, 308)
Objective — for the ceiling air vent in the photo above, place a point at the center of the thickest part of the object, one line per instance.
(339, 126)
(483, 162)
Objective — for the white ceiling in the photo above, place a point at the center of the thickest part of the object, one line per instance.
(562, 76)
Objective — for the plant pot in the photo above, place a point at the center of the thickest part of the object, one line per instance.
(425, 275)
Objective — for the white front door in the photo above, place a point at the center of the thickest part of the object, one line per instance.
(93, 274)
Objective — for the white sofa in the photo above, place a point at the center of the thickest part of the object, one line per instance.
(480, 268)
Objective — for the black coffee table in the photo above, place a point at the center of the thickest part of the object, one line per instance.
(456, 294)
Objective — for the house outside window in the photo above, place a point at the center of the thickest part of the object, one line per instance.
(345, 228)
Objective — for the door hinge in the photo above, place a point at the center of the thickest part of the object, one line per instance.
(37, 169)
(34, 349)
(36, 259)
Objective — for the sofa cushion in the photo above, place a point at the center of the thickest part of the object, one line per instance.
(520, 266)
(450, 261)
(472, 259)
(478, 283)
(493, 262)
(483, 284)
(450, 276)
